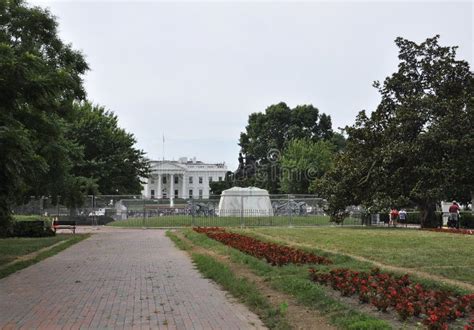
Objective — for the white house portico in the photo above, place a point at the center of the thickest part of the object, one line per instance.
(182, 179)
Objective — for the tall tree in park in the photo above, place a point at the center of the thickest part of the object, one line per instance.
(52, 142)
(109, 155)
(417, 146)
(268, 133)
(302, 162)
(40, 80)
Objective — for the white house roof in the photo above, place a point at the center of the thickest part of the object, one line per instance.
(175, 167)
(168, 167)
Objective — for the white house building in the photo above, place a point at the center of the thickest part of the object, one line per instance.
(182, 179)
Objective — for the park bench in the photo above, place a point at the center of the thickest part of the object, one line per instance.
(64, 224)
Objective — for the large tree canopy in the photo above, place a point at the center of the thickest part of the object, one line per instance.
(109, 156)
(40, 79)
(417, 147)
(267, 135)
(52, 142)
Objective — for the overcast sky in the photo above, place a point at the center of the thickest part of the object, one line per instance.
(194, 71)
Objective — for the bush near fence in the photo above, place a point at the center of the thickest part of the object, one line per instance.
(467, 220)
(29, 226)
(414, 218)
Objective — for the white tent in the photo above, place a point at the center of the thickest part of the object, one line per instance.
(247, 202)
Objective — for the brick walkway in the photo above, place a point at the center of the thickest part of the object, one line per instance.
(118, 279)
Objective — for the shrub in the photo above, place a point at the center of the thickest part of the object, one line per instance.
(467, 220)
(30, 228)
(384, 217)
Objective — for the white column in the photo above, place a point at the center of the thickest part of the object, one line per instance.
(171, 193)
(205, 189)
(184, 193)
(158, 193)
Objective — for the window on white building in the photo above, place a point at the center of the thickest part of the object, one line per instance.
(190, 193)
(152, 181)
(220, 178)
(200, 193)
(210, 179)
(176, 193)
(200, 179)
(176, 179)
(191, 179)
(164, 180)
(152, 193)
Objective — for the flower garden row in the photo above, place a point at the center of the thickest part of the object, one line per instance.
(384, 291)
(275, 254)
(400, 294)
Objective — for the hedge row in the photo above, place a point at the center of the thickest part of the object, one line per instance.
(30, 228)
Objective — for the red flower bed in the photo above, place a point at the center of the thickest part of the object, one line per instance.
(453, 231)
(399, 294)
(275, 254)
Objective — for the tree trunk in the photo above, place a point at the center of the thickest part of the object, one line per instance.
(429, 219)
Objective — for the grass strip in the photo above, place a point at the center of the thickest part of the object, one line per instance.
(172, 221)
(178, 242)
(294, 280)
(240, 288)
(13, 248)
(46, 254)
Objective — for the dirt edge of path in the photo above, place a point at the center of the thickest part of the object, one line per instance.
(398, 269)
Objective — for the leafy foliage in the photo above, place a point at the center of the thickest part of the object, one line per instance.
(109, 156)
(47, 131)
(302, 161)
(268, 134)
(416, 147)
(41, 77)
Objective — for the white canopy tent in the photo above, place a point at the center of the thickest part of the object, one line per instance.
(246, 202)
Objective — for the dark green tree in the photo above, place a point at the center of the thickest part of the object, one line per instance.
(267, 134)
(303, 161)
(416, 147)
(217, 187)
(108, 153)
(40, 79)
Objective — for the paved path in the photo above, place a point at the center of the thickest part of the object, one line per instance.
(118, 279)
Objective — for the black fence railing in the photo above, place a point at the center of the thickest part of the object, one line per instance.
(135, 211)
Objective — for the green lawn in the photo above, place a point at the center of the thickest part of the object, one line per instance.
(12, 248)
(448, 255)
(187, 221)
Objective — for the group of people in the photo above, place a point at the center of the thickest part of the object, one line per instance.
(397, 216)
(401, 216)
(453, 221)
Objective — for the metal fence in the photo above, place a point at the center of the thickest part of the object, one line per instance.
(244, 211)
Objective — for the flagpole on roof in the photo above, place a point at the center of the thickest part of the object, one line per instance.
(163, 146)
